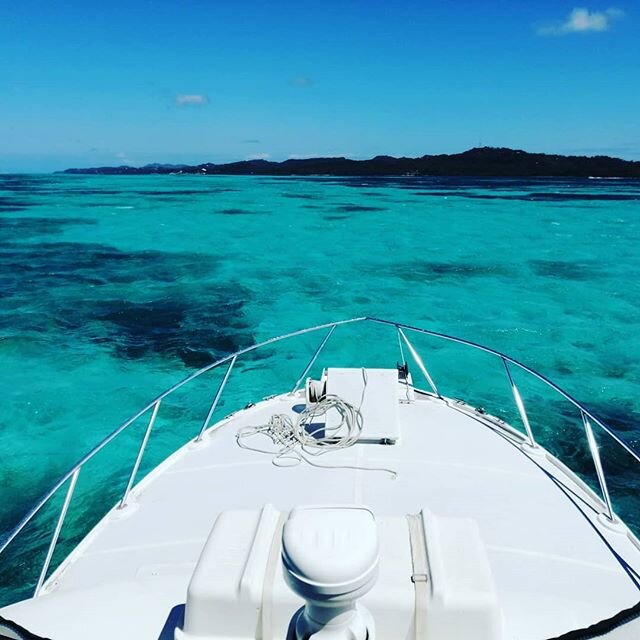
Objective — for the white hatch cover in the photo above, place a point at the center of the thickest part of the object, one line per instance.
(375, 393)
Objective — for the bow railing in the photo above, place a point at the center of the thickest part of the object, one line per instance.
(403, 331)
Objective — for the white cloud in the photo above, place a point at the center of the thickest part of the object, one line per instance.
(191, 100)
(124, 158)
(259, 156)
(581, 20)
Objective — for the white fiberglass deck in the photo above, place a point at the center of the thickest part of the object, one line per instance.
(550, 557)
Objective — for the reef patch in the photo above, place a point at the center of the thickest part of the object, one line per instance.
(129, 302)
(566, 270)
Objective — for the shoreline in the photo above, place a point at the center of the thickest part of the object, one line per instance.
(485, 162)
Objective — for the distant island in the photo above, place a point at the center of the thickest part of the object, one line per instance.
(481, 161)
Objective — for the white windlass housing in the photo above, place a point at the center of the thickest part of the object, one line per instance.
(330, 557)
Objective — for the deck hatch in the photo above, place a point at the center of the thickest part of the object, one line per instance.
(375, 392)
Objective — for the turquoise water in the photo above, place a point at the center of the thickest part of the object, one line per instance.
(113, 288)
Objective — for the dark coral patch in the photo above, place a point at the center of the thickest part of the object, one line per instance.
(300, 196)
(194, 331)
(24, 183)
(569, 197)
(235, 211)
(621, 416)
(23, 228)
(355, 208)
(176, 193)
(84, 191)
(566, 270)
(533, 196)
(179, 193)
(8, 204)
(51, 264)
(196, 322)
(425, 270)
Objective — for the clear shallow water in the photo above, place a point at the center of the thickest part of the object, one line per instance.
(112, 288)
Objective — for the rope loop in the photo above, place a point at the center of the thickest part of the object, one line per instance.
(309, 436)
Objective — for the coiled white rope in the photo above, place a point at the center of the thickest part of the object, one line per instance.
(301, 440)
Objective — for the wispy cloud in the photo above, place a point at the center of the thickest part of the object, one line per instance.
(303, 82)
(191, 100)
(124, 158)
(581, 20)
(251, 141)
(259, 156)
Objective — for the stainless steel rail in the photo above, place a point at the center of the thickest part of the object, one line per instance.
(218, 395)
(143, 446)
(114, 434)
(401, 329)
(519, 404)
(523, 367)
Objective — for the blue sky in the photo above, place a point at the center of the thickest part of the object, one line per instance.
(86, 83)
